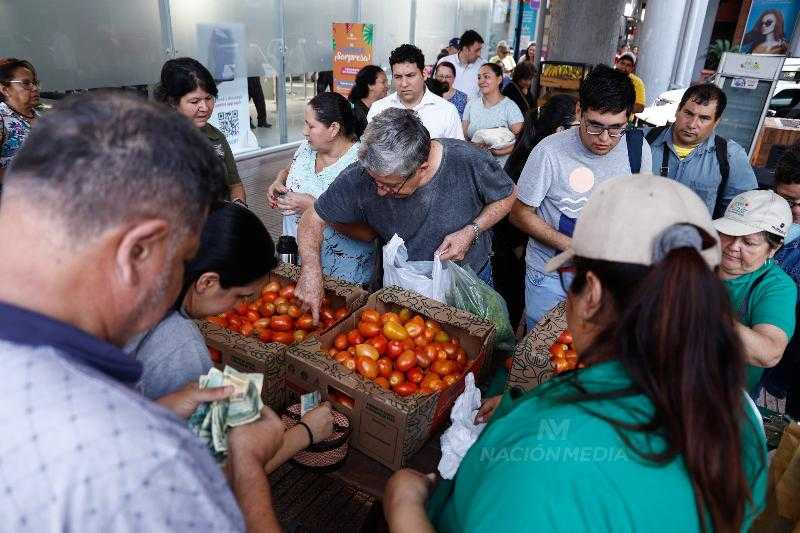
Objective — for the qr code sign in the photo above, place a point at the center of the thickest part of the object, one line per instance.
(229, 122)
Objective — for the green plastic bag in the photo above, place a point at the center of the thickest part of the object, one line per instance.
(471, 293)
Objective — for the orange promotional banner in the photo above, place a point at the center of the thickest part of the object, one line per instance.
(352, 50)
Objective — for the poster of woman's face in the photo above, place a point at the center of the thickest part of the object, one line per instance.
(769, 26)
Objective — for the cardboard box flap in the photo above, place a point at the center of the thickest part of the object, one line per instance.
(531, 364)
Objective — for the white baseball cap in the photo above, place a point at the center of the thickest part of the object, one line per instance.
(754, 211)
(625, 217)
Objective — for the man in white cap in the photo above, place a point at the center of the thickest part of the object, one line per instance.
(762, 295)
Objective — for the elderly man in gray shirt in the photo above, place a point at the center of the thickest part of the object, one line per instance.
(100, 210)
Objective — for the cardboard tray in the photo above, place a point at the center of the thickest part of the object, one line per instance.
(530, 365)
(249, 354)
(387, 427)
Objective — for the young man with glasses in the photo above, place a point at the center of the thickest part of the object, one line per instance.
(563, 170)
(688, 151)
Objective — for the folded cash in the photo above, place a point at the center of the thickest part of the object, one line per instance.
(309, 401)
(212, 420)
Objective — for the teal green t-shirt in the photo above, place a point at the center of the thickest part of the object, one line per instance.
(771, 302)
(541, 465)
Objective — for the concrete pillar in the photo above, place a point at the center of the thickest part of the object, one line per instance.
(705, 36)
(668, 44)
(585, 31)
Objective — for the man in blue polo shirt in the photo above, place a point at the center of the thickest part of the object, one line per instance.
(100, 210)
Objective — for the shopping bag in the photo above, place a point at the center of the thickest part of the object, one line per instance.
(428, 278)
(471, 293)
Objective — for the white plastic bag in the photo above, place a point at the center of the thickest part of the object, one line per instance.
(463, 433)
(494, 137)
(428, 278)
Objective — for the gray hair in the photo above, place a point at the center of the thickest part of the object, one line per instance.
(394, 143)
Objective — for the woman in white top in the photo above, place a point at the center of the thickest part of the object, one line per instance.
(329, 148)
(492, 110)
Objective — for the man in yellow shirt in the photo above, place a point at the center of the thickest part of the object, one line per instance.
(627, 63)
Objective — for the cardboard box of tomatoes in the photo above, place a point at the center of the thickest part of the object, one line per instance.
(537, 357)
(399, 399)
(247, 346)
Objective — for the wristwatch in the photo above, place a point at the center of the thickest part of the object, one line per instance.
(477, 229)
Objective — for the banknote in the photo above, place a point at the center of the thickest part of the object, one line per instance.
(309, 401)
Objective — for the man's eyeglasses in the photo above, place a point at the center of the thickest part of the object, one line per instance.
(613, 131)
(391, 189)
(565, 276)
(27, 84)
(793, 202)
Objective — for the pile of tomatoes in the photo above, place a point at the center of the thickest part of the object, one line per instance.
(400, 352)
(562, 354)
(276, 317)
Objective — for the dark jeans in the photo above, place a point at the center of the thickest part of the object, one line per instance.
(256, 94)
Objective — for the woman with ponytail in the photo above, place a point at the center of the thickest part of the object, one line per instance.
(654, 432)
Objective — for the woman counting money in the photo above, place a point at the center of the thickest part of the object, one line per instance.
(657, 413)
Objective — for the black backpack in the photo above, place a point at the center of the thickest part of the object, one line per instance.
(721, 149)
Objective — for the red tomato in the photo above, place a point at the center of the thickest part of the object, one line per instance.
(394, 349)
(287, 291)
(281, 323)
(350, 363)
(354, 337)
(216, 355)
(267, 309)
(218, 321)
(565, 337)
(294, 311)
(449, 349)
(282, 308)
(251, 316)
(341, 356)
(461, 359)
(326, 314)
(432, 324)
(235, 323)
(247, 328)
(265, 335)
(269, 298)
(428, 334)
(406, 360)
(253, 306)
(443, 367)
(441, 336)
(441, 354)
(340, 342)
(414, 329)
(405, 389)
(371, 315)
(241, 308)
(558, 350)
(367, 350)
(367, 367)
(283, 337)
(332, 352)
(340, 313)
(414, 375)
(422, 360)
(384, 367)
(424, 389)
(261, 323)
(368, 329)
(396, 377)
(299, 335)
(382, 382)
(394, 331)
(420, 341)
(571, 356)
(380, 343)
(305, 322)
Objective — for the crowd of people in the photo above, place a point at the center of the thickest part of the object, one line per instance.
(124, 219)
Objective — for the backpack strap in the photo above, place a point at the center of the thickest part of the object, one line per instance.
(651, 136)
(634, 138)
(721, 148)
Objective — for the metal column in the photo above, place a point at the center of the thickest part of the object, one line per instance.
(280, 86)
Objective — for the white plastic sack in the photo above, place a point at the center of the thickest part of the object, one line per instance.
(428, 278)
(494, 137)
(463, 433)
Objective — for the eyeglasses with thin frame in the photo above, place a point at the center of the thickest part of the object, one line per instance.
(613, 131)
(394, 189)
(793, 202)
(566, 275)
(27, 84)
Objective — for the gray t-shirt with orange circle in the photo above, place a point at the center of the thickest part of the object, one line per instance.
(558, 179)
